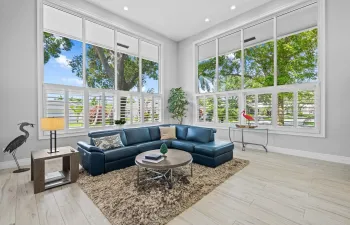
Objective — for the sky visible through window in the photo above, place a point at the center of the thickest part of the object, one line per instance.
(58, 71)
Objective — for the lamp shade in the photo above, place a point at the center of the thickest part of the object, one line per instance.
(52, 123)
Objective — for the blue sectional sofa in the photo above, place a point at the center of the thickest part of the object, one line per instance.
(198, 141)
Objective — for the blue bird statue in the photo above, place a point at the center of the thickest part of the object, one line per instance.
(16, 143)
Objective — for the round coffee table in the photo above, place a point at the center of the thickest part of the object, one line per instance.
(174, 159)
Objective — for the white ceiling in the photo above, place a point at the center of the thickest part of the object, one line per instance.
(178, 19)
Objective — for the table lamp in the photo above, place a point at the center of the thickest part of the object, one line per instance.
(52, 124)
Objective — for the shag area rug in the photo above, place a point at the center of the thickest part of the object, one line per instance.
(124, 202)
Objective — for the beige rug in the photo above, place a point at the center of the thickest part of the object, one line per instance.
(152, 202)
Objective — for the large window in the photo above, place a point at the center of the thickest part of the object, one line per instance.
(269, 69)
(230, 72)
(259, 55)
(94, 73)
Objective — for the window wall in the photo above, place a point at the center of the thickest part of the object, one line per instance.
(94, 73)
(269, 69)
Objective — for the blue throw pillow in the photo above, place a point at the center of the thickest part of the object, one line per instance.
(199, 134)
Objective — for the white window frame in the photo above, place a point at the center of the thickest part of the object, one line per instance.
(318, 87)
(42, 87)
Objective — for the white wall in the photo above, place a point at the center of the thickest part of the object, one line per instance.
(337, 77)
(18, 85)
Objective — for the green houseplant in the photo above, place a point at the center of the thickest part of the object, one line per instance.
(177, 104)
(119, 123)
(164, 149)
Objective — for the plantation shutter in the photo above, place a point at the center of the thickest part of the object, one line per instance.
(95, 110)
(76, 110)
(233, 109)
(209, 109)
(221, 117)
(147, 110)
(54, 104)
(136, 109)
(201, 109)
(157, 109)
(109, 109)
(125, 109)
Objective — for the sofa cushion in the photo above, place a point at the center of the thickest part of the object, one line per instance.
(167, 133)
(108, 142)
(104, 133)
(120, 153)
(147, 146)
(199, 134)
(154, 132)
(181, 132)
(214, 148)
(137, 135)
(187, 146)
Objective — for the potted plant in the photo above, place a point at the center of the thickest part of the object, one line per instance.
(119, 123)
(164, 149)
(177, 104)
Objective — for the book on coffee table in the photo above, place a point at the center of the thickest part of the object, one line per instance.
(153, 156)
(153, 161)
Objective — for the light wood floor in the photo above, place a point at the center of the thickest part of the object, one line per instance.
(274, 189)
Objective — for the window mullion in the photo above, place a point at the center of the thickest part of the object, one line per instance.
(226, 109)
(295, 108)
(142, 106)
(66, 110)
(140, 66)
(131, 109)
(103, 109)
(274, 109)
(275, 51)
(215, 103)
(115, 60)
(216, 81)
(86, 108)
(205, 109)
(84, 55)
(242, 59)
(152, 97)
(256, 110)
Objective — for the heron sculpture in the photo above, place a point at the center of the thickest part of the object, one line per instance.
(16, 143)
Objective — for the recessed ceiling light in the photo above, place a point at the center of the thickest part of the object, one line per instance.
(207, 20)
(126, 8)
(233, 7)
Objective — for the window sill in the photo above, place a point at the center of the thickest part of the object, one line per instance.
(305, 132)
(84, 131)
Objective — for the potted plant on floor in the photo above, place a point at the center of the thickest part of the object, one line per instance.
(178, 104)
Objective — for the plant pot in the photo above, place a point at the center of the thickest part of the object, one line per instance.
(119, 126)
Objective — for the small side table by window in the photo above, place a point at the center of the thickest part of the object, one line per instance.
(69, 173)
(244, 143)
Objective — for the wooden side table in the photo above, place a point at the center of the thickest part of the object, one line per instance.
(70, 168)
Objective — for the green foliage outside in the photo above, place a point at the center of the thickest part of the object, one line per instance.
(101, 66)
(297, 63)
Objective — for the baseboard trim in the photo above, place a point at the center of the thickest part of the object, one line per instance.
(304, 154)
(12, 163)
